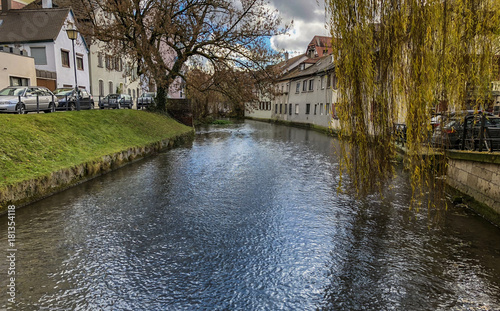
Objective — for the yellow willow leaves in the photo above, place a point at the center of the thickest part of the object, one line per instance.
(398, 61)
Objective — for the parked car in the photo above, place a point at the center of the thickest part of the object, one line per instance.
(451, 134)
(22, 99)
(116, 101)
(145, 100)
(67, 99)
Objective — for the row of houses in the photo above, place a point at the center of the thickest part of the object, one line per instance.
(36, 50)
(306, 89)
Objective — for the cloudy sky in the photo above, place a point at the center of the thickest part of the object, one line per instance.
(308, 20)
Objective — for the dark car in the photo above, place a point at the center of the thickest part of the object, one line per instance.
(67, 99)
(452, 135)
(145, 100)
(116, 101)
(22, 99)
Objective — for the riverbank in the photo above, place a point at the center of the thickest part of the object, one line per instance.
(302, 125)
(41, 154)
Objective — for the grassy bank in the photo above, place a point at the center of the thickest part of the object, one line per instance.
(35, 145)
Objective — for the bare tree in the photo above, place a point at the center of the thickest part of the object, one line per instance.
(163, 36)
(232, 87)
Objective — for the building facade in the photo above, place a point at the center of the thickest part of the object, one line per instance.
(16, 69)
(42, 35)
(307, 94)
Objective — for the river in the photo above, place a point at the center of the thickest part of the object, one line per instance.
(246, 217)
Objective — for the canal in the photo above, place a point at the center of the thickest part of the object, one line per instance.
(247, 217)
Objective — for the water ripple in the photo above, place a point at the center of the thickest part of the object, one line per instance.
(248, 218)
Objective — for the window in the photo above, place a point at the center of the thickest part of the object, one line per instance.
(304, 86)
(285, 109)
(65, 58)
(101, 88)
(281, 108)
(108, 61)
(38, 53)
(79, 61)
(297, 88)
(110, 85)
(327, 109)
(322, 82)
(99, 60)
(116, 63)
(290, 109)
(296, 108)
(129, 92)
(276, 109)
(328, 80)
(321, 109)
(334, 81)
(311, 84)
(16, 81)
(334, 112)
(315, 108)
(133, 94)
(308, 108)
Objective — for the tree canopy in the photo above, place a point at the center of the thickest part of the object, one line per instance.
(163, 36)
(398, 61)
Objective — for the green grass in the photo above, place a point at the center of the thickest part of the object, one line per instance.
(35, 145)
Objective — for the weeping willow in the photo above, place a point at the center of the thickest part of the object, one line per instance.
(397, 60)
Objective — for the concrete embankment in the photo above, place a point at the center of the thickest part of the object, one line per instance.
(307, 126)
(477, 175)
(43, 154)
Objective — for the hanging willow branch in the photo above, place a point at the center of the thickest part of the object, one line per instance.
(397, 60)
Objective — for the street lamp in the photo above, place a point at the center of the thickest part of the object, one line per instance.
(73, 35)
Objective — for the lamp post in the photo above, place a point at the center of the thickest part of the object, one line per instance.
(73, 35)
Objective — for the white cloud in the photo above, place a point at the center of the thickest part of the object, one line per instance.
(308, 21)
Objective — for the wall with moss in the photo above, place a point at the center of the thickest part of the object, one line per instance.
(478, 176)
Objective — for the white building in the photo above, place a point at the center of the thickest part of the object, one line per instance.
(112, 74)
(262, 109)
(308, 94)
(109, 73)
(42, 35)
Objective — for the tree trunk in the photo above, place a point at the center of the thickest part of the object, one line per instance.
(161, 99)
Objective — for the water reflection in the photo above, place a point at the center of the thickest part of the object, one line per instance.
(247, 218)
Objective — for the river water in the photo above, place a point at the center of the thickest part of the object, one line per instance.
(247, 217)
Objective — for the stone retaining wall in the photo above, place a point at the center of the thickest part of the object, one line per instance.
(32, 190)
(478, 176)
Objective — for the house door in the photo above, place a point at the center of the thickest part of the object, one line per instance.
(50, 84)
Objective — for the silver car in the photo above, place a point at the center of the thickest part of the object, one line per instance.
(22, 99)
(116, 101)
(145, 99)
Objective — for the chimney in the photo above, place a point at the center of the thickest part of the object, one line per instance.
(286, 56)
(47, 4)
(6, 5)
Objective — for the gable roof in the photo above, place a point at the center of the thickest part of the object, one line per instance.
(321, 41)
(320, 65)
(77, 6)
(22, 26)
(289, 64)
